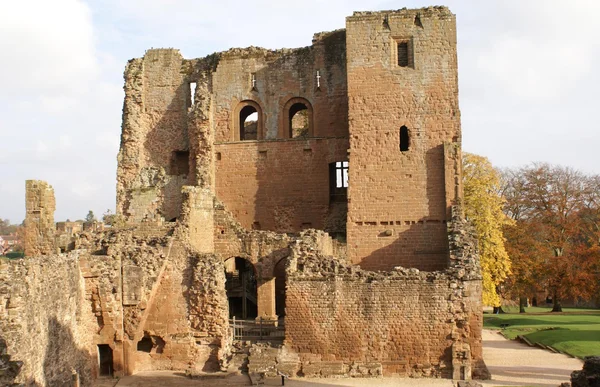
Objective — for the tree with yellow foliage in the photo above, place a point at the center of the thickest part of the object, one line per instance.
(483, 204)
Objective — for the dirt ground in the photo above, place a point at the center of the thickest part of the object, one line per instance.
(511, 364)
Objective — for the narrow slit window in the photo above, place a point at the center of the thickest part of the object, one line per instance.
(404, 139)
(403, 54)
(192, 94)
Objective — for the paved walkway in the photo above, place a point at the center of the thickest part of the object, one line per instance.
(511, 364)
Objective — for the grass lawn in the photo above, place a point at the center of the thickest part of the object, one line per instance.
(575, 331)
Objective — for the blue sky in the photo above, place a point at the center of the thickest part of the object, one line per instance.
(527, 73)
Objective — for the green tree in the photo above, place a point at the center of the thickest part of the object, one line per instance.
(6, 228)
(90, 217)
(483, 205)
(109, 218)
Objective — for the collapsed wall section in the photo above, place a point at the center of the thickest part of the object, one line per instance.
(159, 305)
(153, 157)
(46, 321)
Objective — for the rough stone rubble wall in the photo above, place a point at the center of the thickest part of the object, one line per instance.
(154, 126)
(168, 291)
(399, 200)
(46, 321)
(39, 218)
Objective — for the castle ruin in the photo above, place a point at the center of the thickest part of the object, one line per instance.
(314, 192)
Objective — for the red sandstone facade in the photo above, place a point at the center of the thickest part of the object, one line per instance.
(387, 72)
(314, 189)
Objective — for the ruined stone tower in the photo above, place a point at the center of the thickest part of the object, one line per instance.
(378, 161)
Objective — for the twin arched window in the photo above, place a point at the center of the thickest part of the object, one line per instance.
(296, 120)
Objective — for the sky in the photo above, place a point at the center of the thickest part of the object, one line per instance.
(528, 79)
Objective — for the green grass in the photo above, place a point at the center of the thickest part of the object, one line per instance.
(575, 331)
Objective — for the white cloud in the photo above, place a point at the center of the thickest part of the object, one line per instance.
(49, 44)
(84, 189)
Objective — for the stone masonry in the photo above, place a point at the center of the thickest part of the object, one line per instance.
(311, 193)
(39, 218)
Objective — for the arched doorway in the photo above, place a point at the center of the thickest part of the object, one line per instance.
(240, 282)
(280, 282)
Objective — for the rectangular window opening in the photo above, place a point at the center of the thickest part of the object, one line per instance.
(403, 54)
(338, 181)
(180, 163)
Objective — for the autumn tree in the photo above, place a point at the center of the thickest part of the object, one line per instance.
(555, 209)
(483, 205)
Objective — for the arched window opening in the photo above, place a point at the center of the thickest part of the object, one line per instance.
(298, 120)
(240, 282)
(280, 281)
(248, 123)
(404, 139)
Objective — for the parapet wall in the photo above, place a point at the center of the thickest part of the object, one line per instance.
(46, 320)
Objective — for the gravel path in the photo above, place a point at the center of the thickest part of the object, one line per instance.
(515, 364)
(511, 364)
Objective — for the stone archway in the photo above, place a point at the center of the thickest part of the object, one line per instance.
(241, 286)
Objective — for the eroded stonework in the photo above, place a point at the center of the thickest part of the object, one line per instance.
(306, 199)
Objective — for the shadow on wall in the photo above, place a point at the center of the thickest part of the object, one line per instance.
(9, 369)
(401, 251)
(63, 356)
(167, 145)
(424, 245)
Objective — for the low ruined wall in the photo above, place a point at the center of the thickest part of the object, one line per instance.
(343, 320)
(45, 320)
(403, 321)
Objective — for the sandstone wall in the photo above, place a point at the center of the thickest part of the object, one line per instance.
(398, 200)
(158, 304)
(343, 320)
(281, 186)
(155, 120)
(281, 76)
(169, 136)
(46, 321)
(39, 218)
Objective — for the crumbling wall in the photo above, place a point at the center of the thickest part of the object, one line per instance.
(157, 98)
(398, 197)
(46, 321)
(169, 136)
(344, 320)
(146, 286)
(39, 218)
